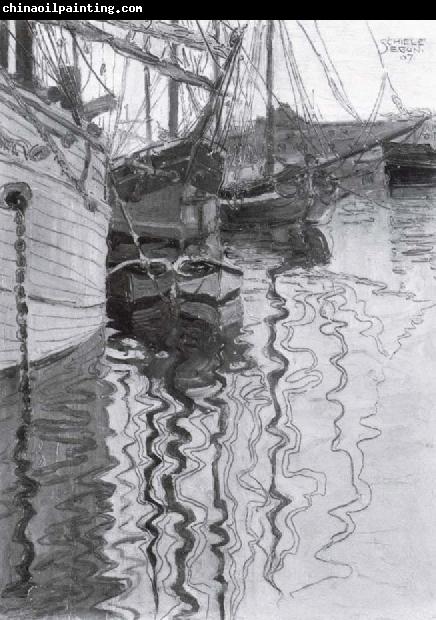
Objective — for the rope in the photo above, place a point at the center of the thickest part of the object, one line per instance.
(143, 260)
(90, 67)
(395, 98)
(292, 67)
(207, 44)
(336, 72)
(343, 101)
(59, 158)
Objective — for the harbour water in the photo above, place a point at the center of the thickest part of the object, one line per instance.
(280, 466)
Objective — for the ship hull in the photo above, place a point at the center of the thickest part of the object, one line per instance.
(214, 282)
(267, 209)
(63, 241)
(167, 213)
(410, 165)
(271, 209)
(132, 296)
(163, 199)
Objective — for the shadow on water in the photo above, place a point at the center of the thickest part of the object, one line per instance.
(181, 429)
(55, 506)
(214, 464)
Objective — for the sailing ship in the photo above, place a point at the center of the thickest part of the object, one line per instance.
(53, 215)
(302, 183)
(169, 187)
(411, 164)
(54, 190)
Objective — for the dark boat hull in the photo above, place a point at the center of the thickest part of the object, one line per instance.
(274, 202)
(167, 195)
(132, 293)
(410, 165)
(272, 209)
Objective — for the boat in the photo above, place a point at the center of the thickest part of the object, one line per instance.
(54, 191)
(296, 169)
(54, 218)
(202, 278)
(165, 199)
(409, 165)
(169, 187)
(134, 289)
(297, 192)
(278, 201)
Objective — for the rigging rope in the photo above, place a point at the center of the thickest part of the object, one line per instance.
(340, 98)
(308, 111)
(214, 58)
(395, 97)
(336, 72)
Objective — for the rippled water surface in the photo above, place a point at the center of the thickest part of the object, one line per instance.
(280, 465)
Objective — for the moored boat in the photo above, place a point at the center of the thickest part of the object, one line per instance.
(53, 222)
(409, 165)
(277, 202)
(296, 172)
(133, 291)
(169, 188)
(222, 316)
(166, 196)
(207, 279)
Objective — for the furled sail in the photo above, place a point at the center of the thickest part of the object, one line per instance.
(129, 49)
(174, 33)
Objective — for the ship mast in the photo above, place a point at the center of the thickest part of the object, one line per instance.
(269, 125)
(173, 95)
(24, 52)
(4, 43)
(216, 67)
(147, 94)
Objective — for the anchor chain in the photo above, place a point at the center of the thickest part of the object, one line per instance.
(21, 303)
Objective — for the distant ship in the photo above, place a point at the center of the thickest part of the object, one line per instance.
(411, 163)
(284, 168)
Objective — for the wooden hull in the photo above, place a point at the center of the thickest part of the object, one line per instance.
(168, 214)
(206, 280)
(272, 209)
(410, 165)
(267, 209)
(220, 317)
(65, 242)
(165, 199)
(132, 294)
(134, 285)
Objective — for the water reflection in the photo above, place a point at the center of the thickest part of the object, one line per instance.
(56, 506)
(214, 465)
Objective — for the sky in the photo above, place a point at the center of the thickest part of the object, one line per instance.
(355, 56)
(352, 51)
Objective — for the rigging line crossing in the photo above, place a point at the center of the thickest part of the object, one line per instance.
(292, 68)
(336, 93)
(207, 44)
(90, 67)
(335, 70)
(369, 123)
(397, 100)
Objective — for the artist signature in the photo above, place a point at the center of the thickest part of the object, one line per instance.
(406, 48)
